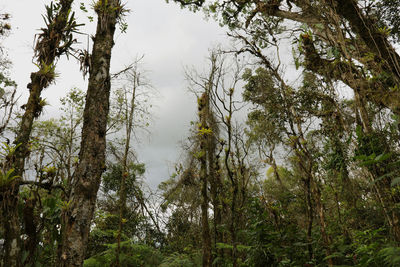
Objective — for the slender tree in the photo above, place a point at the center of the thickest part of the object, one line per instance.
(204, 131)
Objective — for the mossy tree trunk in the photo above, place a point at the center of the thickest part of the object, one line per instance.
(79, 210)
(204, 132)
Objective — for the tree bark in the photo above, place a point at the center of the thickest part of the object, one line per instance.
(79, 210)
(310, 218)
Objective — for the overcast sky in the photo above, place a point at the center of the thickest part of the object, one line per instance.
(169, 37)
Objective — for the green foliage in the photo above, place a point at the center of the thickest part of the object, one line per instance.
(7, 177)
(7, 150)
(47, 70)
(182, 232)
(182, 260)
(73, 102)
(370, 144)
(106, 229)
(59, 30)
(193, 5)
(224, 246)
(267, 245)
(51, 211)
(367, 247)
(391, 256)
(388, 14)
(112, 178)
(6, 83)
(104, 7)
(204, 131)
(131, 255)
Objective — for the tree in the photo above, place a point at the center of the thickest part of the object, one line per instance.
(204, 149)
(128, 98)
(81, 204)
(326, 21)
(220, 157)
(54, 41)
(52, 160)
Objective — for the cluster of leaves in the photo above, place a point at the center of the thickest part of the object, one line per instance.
(132, 255)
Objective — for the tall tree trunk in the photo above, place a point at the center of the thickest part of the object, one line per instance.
(232, 175)
(216, 189)
(310, 218)
(306, 163)
(322, 220)
(47, 49)
(203, 134)
(214, 176)
(232, 226)
(79, 211)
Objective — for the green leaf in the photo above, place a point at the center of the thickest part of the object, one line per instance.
(395, 181)
(24, 255)
(383, 156)
(380, 178)
(241, 248)
(83, 8)
(224, 246)
(334, 255)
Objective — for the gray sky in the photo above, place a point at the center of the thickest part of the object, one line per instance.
(169, 37)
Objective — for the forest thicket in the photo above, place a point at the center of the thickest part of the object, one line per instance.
(310, 178)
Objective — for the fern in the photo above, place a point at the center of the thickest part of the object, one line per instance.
(391, 256)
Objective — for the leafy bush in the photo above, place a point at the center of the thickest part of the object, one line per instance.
(371, 248)
(182, 260)
(390, 256)
(131, 255)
